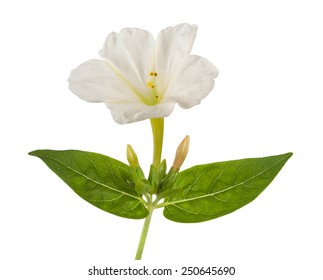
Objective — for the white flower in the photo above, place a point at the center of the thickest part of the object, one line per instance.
(141, 77)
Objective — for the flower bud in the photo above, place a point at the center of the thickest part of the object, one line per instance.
(181, 153)
(132, 157)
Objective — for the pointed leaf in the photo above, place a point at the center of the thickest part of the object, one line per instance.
(213, 190)
(99, 179)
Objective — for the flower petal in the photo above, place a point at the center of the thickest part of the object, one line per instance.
(133, 112)
(131, 52)
(172, 45)
(95, 81)
(192, 81)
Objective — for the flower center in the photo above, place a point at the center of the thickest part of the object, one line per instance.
(151, 84)
(152, 80)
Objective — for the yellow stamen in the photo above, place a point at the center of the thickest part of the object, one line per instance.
(150, 84)
(153, 74)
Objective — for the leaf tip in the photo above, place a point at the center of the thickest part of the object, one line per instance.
(32, 153)
(289, 154)
(35, 153)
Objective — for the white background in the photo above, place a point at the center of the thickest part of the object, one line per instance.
(266, 101)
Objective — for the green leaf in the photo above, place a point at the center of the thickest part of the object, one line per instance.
(213, 190)
(100, 180)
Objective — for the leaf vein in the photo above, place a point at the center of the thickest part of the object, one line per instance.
(173, 203)
(91, 179)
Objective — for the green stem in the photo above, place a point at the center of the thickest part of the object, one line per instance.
(157, 126)
(143, 236)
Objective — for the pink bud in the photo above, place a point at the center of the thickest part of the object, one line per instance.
(181, 153)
